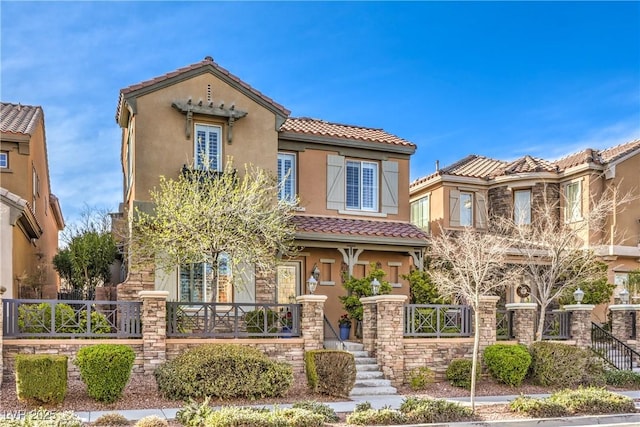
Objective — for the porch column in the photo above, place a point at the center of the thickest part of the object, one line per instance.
(369, 324)
(488, 309)
(154, 329)
(312, 321)
(388, 341)
(2, 291)
(622, 321)
(580, 323)
(524, 317)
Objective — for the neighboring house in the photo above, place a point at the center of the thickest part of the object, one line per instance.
(30, 215)
(469, 191)
(352, 183)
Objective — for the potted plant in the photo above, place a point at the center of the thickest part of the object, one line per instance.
(345, 326)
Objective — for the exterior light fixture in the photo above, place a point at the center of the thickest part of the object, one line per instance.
(315, 272)
(375, 286)
(312, 284)
(624, 296)
(578, 295)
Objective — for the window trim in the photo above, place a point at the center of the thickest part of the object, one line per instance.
(573, 213)
(4, 164)
(527, 218)
(375, 187)
(293, 176)
(471, 210)
(419, 204)
(218, 155)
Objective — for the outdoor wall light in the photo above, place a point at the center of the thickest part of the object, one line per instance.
(375, 286)
(312, 284)
(624, 296)
(315, 272)
(578, 295)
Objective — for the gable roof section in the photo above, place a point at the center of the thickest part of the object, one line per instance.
(207, 65)
(323, 129)
(527, 164)
(472, 166)
(19, 119)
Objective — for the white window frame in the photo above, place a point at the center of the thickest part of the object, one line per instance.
(4, 160)
(421, 212)
(287, 190)
(522, 207)
(573, 207)
(362, 189)
(464, 221)
(211, 161)
(211, 282)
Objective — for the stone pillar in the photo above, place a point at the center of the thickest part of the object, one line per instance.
(154, 329)
(621, 321)
(2, 290)
(580, 323)
(389, 334)
(369, 324)
(487, 308)
(524, 320)
(312, 321)
(142, 279)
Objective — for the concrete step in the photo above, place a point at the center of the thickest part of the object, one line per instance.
(373, 391)
(373, 383)
(371, 367)
(353, 346)
(369, 375)
(366, 361)
(359, 353)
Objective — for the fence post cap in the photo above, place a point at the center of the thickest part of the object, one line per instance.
(521, 306)
(384, 298)
(489, 298)
(153, 294)
(579, 307)
(624, 307)
(311, 298)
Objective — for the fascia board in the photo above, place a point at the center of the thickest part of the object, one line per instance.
(339, 142)
(346, 238)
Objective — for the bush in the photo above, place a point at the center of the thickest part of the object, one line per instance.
(331, 372)
(36, 318)
(231, 416)
(105, 369)
(111, 419)
(420, 377)
(152, 421)
(194, 414)
(459, 373)
(618, 378)
(41, 377)
(363, 406)
(99, 323)
(42, 417)
(318, 408)
(593, 400)
(421, 411)
(537, 408)
(223, 371)
(507, 363)
(373, 417)
(562, 365)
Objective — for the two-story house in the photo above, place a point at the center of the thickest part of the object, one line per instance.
(30, 215)
(470, 191)
(352, 183)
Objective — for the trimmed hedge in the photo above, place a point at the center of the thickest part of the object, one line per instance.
(507, 363)
(105, 369)
(331, 372)
(41, 377)
(223, 371)
(562, 365)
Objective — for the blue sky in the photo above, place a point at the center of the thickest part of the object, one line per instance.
(500, 79)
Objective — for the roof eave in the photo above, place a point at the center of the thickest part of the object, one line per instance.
(348, 238)
(352, 143)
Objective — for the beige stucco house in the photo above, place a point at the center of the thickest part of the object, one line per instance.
(30, 215)
(352, 182)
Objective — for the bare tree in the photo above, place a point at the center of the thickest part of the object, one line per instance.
(470, 264)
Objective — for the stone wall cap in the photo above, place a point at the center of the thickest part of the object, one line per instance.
(579, 307)
(311, 298)
(521, 306)
(153, 294)
(383, 298)
(625, 307)
(491, 298)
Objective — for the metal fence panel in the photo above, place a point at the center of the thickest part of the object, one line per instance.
(437, 320)
(557, 325)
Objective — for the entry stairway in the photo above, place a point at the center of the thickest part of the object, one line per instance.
(369, 378)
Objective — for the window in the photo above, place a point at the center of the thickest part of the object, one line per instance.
(287, 176)
(466, 209)
(199, 282)
(4, 159)
(420, 214)
(362, 186)
(35, 189)
(287, 276)
(522, 207)
(573, 200)
(129, 158)
(208, 149)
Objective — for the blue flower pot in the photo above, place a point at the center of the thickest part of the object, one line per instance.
(345, 331)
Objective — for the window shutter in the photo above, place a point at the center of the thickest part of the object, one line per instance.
(335, 182)
(454, 208)
(390, 187)
(481, 211)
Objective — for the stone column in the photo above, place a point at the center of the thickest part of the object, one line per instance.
(487, 308)
(389, 339)
(524, 320)
(621, 321)
(2, 291)
(142, 279)
(154, 329)
(312, 321)
(580, 323)
(369, 324)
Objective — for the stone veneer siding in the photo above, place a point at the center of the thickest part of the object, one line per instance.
(581, 324)
(312, 321)
(435, 354)
(500, 199)
(621, 321)
(524, 318)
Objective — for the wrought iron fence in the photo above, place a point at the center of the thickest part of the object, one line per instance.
(232, 320)
(612, 350)
(504, 324)
(71, 319)
(557, 325)
(437, 320)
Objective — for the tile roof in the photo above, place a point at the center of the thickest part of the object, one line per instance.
(527, 164)
(309, 126)
(18, 118)
(612, 154)
(357, 227)
(206, 62)
(588, 155)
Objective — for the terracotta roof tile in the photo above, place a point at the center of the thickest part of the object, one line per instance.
(614, 153)
(17, 118)
(588, 155)
(305, 125)
(527, 164)
(358, 227)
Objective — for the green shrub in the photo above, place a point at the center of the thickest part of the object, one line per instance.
(621, 378)
(459, 373)
(537, 408)
(318, 408)
(593, 400)
(105, 369)
(376, 417)
(255, 321)
(194, 414)
(363, 406)
(420, 377)
(331, 372)
(421, 411)
(111, 419)
(99, 323)
(41, 377)
(223, 371)
(152, 421)
(507, 363)
(36, 318)
(44, 418)
(562, 365)
(231, 416)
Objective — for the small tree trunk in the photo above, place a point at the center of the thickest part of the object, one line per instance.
(474, 364)
(540, 328)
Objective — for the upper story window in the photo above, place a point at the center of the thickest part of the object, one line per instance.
(4, 159)
(362, 186)
(573, 202)
(35, 189)
(420, 213)
(522, 207)
(466, 209)
(208, 148)
(287, 176)
(200, 283)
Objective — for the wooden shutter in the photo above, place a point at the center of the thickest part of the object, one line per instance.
(454, 208)
(335, 182)
(390, 187)
(481, 210)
